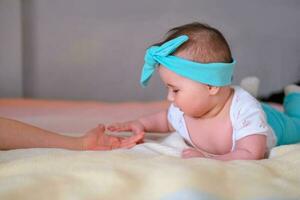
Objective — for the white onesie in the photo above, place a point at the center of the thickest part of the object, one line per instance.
(246, 115)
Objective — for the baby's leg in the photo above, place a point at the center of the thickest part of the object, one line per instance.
(291, 102)
(291, 89)
(290, 119)
(286, 125)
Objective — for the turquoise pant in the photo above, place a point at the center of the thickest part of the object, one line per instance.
(286, 125)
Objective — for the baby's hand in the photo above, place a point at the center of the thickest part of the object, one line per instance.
(134, 126)
(191, 152)
(96, 139)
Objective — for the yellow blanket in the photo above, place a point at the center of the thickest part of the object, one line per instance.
(148, 171)
(151, 171)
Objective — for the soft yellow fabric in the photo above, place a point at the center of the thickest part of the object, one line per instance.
(149, 171)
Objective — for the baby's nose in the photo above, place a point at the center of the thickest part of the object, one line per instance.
(170, 97)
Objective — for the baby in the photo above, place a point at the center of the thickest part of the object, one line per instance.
(216, 119)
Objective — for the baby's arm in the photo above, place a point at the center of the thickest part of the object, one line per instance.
(252, 147)
(157, 122)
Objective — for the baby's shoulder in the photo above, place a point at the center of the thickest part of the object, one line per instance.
(243, 103)
(242, 98)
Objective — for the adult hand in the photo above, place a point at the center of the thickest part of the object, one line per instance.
(136, 127)
(96, 139)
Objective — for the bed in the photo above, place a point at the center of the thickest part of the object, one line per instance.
(153, 170)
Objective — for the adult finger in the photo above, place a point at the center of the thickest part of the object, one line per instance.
(101, 148)
(128, 146)
(115, 142)
(135, 138)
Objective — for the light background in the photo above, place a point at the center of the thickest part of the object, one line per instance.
(94, 49)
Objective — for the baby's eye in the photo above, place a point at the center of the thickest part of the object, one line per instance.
(175, 91)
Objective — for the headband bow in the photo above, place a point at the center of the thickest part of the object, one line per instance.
(216, 74)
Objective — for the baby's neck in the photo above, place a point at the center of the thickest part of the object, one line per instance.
(219, 103)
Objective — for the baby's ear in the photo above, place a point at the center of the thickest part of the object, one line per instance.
(213, 90)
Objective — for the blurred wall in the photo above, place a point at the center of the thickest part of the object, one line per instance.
(10, 49)
(94, 49)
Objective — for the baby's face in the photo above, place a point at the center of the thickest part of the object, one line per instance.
(191, 97)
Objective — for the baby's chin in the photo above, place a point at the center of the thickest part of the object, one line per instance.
(189, 113)
(193, 115)
(196, 115)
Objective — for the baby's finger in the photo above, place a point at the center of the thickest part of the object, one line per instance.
(136, 129)
(187, 153)
(101, 127)
(112, 127)
(118, 127)
(133, 139)
(190, 153)
(115, 142)
(187, 150)
(128, 146)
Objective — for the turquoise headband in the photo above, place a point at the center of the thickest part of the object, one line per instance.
(216, 74)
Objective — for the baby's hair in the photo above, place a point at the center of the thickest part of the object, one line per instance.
(206, 44)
